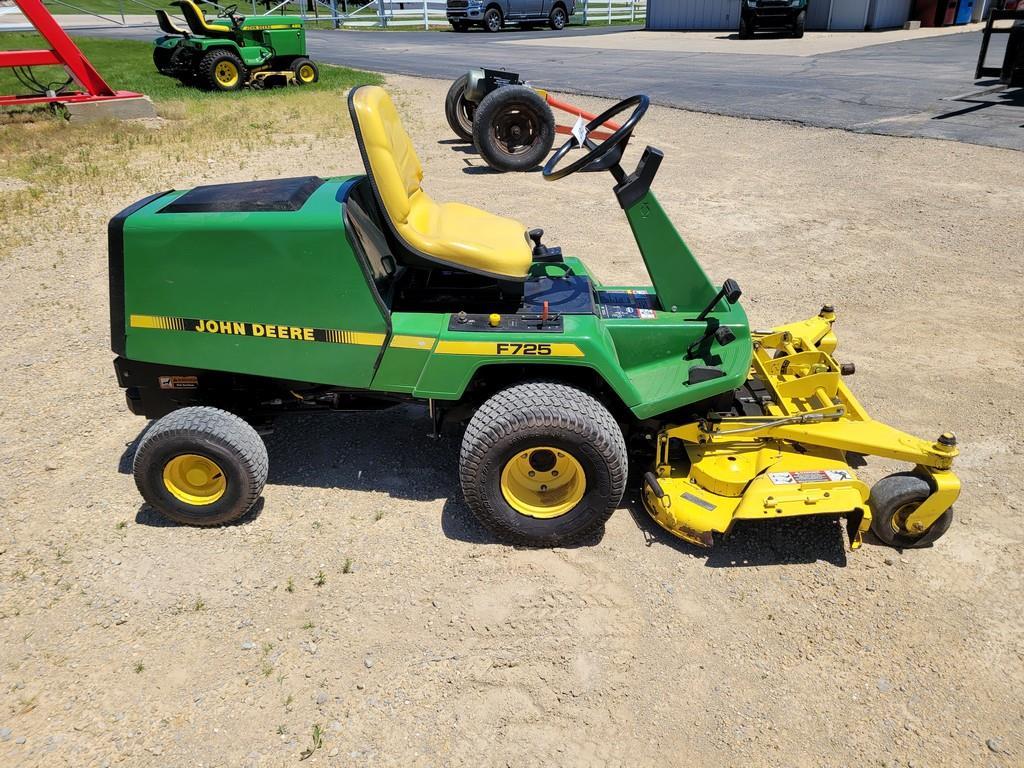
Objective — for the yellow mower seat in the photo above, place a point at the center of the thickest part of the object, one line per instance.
(197, 22)
(452, 233)
(168, 26)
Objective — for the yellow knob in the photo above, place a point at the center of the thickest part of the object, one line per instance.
(495, 319)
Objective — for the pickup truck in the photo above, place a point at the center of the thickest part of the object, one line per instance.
(492, 15)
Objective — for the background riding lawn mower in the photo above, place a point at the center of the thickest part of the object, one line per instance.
(255, 51)
(510, 123)
(364, 292)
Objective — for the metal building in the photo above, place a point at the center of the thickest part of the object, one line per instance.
(838, 15)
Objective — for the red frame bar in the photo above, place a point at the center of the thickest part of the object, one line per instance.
(572, 109)
(63, 53)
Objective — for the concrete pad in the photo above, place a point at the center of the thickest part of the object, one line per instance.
(136, 108)
(723, 41)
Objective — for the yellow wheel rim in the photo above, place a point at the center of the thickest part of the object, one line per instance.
(194, 479)
(226, 74)
(543, 482)
(900, 517)
(306, 73)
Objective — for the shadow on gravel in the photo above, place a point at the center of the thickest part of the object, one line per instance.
(458, 145)
(150, 517)
(778, 542)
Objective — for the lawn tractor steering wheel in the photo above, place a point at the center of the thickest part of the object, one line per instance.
(230, 13)
(606, 155)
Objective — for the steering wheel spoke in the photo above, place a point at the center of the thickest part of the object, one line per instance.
(599, 156)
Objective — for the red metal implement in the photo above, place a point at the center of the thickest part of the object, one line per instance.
(574, 110)
(62, 53)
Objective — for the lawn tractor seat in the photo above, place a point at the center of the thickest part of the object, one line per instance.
(447, 234)
(164, 20)
(197, 22)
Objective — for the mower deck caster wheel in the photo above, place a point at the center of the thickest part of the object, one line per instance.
(201, 466)
(458, 110)
(542, 464)
(893, 500)
(305, 71)
(513, 128)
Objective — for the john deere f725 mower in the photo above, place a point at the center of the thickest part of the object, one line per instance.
(235, 304)
(256, 51)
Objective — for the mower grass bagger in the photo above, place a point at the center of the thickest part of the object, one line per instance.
(256, 51)
(510, 122)
(235, 304)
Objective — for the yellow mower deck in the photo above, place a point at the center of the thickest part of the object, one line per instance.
(790, 461)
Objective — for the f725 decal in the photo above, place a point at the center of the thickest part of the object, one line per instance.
(523, 348)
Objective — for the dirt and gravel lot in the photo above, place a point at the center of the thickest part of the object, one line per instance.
(361, 611)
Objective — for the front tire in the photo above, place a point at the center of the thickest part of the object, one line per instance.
(542, 464)
(222, 70)
(893, 499)
(558, 18)
(746, 28)
(305, 71)
(513, 128)
(799, 24)
(458, 110)
(460, 26)
(201, 466)
(493, 20)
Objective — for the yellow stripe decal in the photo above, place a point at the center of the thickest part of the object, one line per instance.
(258, 330)
(425, 343)
(509, 348)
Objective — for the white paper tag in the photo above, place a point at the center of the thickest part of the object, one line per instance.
(579, 131)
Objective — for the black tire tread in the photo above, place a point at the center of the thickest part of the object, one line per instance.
(539, 404)
(451, 107)
(498, 99)
(206, 66)
(231, 430)
(891, 492)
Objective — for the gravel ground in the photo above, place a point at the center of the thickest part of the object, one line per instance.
(361, 614)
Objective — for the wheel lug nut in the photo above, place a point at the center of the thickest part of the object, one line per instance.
(532, 473)
(554, 473)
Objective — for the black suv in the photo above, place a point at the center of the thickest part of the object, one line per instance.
(492, 15)
(758, 15)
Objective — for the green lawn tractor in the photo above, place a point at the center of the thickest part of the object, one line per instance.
(256, 51)
(235, 304)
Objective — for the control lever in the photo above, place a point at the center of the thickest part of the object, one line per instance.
(730, 291)
(541, 252)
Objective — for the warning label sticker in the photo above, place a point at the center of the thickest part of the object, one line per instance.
(810, 476)
(617, 305)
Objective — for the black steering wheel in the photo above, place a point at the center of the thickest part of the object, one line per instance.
(229, 13)
(603, 156)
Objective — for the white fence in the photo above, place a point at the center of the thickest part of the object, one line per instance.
(424, 14)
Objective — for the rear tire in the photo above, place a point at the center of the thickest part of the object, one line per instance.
(558, 18)
(493, 20)
(458, 110)
(201, 466)
(892, 499)
(162, 59)
(222, 70)
(513, 128)
(545, 425)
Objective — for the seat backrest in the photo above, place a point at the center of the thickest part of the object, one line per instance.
(389, 154)
(166, 24)
(197, 21)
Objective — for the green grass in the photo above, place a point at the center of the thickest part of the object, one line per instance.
(127, 65)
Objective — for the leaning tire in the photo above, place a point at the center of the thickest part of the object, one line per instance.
(558, 19)
(222, 70)
(540, 427)
(458, 110)
(892, 499)
(513, 128)
(305, 71)
(201, 466)
(493, 20)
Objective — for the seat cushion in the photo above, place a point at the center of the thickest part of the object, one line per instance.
(452, 233)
